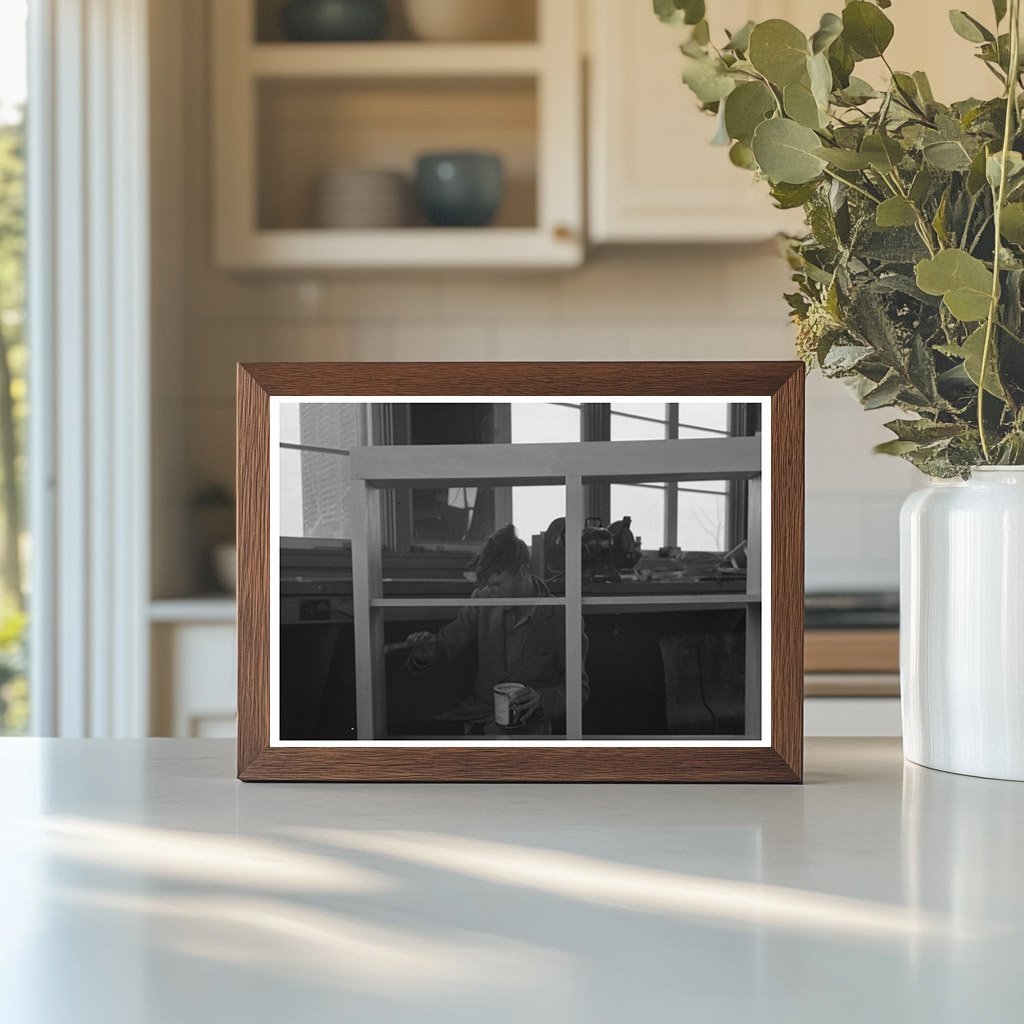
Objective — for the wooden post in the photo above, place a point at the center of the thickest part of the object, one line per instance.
(367, 584)
(573, 608)
(671, 537)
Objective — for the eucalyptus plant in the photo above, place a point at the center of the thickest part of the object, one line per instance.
(910, 278)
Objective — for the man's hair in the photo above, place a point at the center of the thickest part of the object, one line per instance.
(503, 551)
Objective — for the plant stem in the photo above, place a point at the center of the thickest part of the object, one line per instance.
(855, 187)
(922, 225)
(993, 309)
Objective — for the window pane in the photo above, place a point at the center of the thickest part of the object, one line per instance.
(14, 536)
(638, 421)
(291, 431)
(699, 419)
(646, 507)
(702, 520)
(534, 508)
(315, 484)
(544, 422)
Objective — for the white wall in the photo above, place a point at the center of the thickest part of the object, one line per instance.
(654, 303)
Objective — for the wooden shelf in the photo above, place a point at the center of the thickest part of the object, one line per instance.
(311, 248)
(463, 602)
(669, 602)
(393, 60)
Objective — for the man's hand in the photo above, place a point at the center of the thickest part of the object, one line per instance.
(524, 704)
(423, 647)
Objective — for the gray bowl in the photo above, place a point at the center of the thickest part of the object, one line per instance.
(461, 190)
(334, 20)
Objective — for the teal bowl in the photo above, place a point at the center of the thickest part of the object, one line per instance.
(460, 190)
(334, 21)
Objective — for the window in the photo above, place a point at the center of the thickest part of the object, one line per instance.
(535, 508)
(316, 437)
(14, 548)
(314, 467)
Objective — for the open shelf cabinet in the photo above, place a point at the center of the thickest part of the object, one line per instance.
(286, 113)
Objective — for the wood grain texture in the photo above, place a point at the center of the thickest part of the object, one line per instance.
(852, 650)
(782, 762)
(787, 578)
(252, 485)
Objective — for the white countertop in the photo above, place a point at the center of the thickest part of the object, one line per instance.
(143, 884)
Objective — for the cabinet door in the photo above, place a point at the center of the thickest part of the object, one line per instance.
(654, 175)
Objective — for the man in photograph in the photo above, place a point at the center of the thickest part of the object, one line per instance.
(519, 644)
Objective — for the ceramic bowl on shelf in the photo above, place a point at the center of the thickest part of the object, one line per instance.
(470, 20)
(460, 189)
(361, 198)
(334, 20)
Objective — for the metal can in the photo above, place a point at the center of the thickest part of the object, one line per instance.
(504, 713)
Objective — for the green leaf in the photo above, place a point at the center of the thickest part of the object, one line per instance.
(844, 159)
(708, 81)
(939, 220)
(800, 105)
(820, 76)
(858, 91)
(1012, 223)
(739, 41)
(841, 60)
(866, 29)
(778, 50)
(896, 212)
(789, 197)
(994, 168)
(971, 352)
(895, 447)
(883, 153)
(976, 174)
(921, 186)
(742, 155)
(906, 89)
(924, 88)
(963, 281)
(885, 394)
(968, 28)
(785, 152)
(676, 12)
(923, 431)
(830, 29)
(745, 108)
(946, 156)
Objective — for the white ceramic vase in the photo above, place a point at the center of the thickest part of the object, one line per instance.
(962, 624)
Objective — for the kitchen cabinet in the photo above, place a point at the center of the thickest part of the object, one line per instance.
(286, 113)
(653, 175)
(193, 667)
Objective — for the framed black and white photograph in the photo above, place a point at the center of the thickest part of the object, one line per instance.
(548, 571)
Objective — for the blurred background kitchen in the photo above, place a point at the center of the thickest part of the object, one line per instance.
(248, 180)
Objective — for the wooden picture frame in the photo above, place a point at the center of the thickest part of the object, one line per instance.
(771, 748)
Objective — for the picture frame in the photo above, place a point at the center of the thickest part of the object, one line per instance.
(767, 747)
